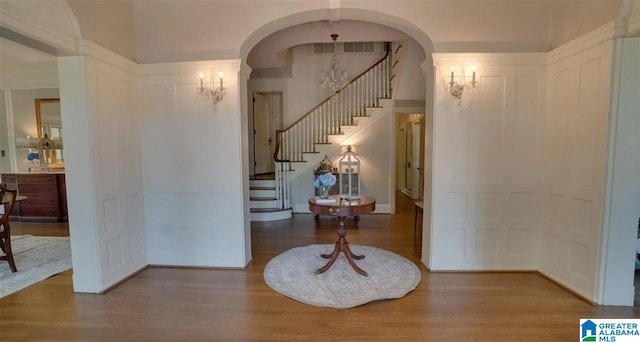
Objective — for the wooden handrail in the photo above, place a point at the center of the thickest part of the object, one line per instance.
(338, 91)
(279, 132)
(277, 149)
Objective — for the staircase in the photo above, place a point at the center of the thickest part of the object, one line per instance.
(264, 203)
(322, 130)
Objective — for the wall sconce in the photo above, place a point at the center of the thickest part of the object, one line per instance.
(458, 88)
(209, 91)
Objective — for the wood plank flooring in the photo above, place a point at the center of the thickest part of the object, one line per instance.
(174, 304)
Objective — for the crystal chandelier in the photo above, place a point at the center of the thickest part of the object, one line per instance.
(335, 78)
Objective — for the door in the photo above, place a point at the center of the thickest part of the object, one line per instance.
(408, 159)
(267, 116)
(415, 159)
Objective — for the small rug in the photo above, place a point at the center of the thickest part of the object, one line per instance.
(37, 258)
(292, 274)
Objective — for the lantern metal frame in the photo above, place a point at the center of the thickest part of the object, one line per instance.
(348, 166)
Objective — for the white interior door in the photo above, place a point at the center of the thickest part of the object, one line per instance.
(408, 159)
(415, 159)
(262, 123)
(267, 111)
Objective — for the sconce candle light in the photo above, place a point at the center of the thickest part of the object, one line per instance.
(458, 88)
(209, 91)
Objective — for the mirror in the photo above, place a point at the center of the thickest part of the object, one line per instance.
(49, 123)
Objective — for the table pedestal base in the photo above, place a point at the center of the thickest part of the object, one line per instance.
(342, 246)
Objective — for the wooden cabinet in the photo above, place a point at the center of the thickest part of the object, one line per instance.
(11, 182)
(46, 196)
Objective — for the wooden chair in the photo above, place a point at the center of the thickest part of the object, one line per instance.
(7, 198)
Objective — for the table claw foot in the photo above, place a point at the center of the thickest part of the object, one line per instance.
(333, 256)
(357, 257)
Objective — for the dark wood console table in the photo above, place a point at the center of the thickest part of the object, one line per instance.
(342, 209)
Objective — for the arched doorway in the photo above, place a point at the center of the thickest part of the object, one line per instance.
(378, 18)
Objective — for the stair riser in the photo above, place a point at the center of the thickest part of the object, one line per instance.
(263, 204)
(262, 183)
(271, 216)
(263, 193)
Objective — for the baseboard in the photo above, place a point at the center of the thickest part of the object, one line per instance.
(497, 270)
(116, 284)
(569, 289)
(200, 267)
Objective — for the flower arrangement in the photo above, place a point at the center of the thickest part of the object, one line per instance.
(326, 179)
(324, 182)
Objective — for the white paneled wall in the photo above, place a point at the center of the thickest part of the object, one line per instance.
(486, 164)
(192, 158)
(622, 199)
(100, 116)
(575, 135)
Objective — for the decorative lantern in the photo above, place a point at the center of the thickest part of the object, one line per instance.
(349, 180)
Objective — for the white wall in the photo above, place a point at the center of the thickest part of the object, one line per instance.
(486, 165)
(411, 83)
(622, 200)
(193, 160)
(20, 85)
(374, 147)
(166, 33)
(104, 190)
(575, 148)
(24, 119)
(304, 89)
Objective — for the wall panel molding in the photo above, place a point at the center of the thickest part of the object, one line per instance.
(487, 163)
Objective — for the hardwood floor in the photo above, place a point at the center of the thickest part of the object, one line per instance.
(174, 304)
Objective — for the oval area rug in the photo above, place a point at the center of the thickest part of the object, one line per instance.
(292, 274)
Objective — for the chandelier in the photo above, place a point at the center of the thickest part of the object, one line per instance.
(334, 78)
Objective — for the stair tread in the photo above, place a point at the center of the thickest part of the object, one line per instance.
(262, 188)
(263, 177)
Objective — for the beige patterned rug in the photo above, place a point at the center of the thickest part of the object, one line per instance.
(292, 274)
(37, 258)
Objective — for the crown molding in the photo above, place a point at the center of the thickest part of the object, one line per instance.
(23, 23)
(604, 33)
(95, 51)
(633, 26)
(490, 59)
